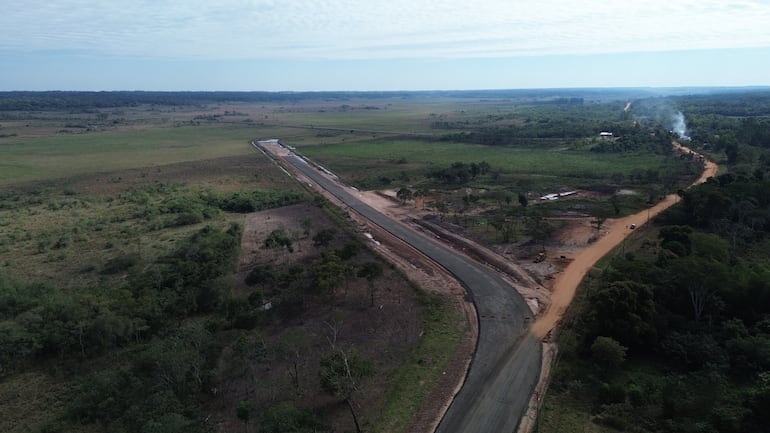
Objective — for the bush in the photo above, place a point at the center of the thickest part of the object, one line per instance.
(607, 352)
(121, 263)
(279, 238)
(636, 395)
(612, 393)
(323, 237)
(261, 274)
(188, 218)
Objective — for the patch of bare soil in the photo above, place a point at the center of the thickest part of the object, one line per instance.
(259, 225)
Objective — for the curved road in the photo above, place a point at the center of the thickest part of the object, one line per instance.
(506, 364)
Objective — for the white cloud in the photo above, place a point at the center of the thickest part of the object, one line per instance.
(358, 29)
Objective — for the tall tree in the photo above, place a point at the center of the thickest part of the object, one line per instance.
(243, 411)
(370, 271)
(625, 311)
(539, 228)
(341, 374)
(404, 194)
(523, 201)
(328, 273)
(608, 352)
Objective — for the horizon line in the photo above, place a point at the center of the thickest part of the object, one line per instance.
(697, 87)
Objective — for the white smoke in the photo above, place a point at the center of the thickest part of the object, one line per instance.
(679, 127)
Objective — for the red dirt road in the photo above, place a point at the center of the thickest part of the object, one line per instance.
(566, 283)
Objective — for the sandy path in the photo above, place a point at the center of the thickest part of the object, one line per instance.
(566, 283)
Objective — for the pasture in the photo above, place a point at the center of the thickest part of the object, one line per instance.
(65, 155)
(564, 162)
(380, 163)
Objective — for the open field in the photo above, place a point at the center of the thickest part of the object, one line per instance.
(563, 162)
(66, 155)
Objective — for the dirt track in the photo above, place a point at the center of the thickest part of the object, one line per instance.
(617, 229)
(563, 289)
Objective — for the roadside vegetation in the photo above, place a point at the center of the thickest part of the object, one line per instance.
(673, 334)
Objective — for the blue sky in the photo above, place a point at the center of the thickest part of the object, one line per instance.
(381, 45)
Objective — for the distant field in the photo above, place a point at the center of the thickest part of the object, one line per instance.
(392, 115)
(34, 146)
(349, 157)
(64, 155)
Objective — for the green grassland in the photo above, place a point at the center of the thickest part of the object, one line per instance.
(346, 157)
(51, 234)
(63, 155)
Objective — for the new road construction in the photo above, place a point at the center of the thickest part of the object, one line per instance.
(506, 365)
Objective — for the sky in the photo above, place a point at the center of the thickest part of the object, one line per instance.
(320, 45)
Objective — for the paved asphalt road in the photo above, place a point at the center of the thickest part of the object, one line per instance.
(506, 364)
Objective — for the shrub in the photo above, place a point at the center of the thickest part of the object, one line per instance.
(120, 263)
(611, 393)
(323, 237)
(608, 352)
(188, 218)
(279, 238)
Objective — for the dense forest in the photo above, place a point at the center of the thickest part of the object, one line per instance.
(674, 334)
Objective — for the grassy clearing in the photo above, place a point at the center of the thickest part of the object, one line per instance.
(61, 155)
(394, 115)
(385, 119)
(565, 163)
